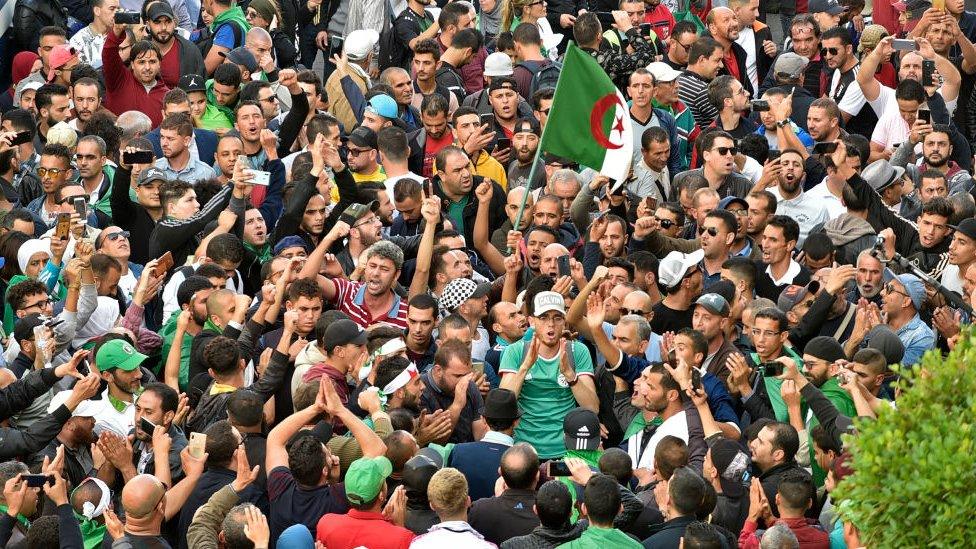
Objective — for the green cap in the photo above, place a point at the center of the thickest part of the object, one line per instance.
(365, 479)
(118, 354)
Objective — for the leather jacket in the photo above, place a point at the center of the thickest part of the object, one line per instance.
(30, 16)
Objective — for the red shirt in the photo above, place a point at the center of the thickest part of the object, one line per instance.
(661, 21)
(361, 529)
(732, 65)
(809, 536)
(350, 300)
(122, 91)
(433, 146)
(169, 69)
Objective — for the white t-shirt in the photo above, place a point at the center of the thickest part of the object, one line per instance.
(891, 129)
(853, 99)
(833, 203)
(747, 39)
(951, 279)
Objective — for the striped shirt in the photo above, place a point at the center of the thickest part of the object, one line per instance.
(350, 299)
(89, 46)
(693, 91)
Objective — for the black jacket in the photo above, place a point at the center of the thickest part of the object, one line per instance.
(30, 16)
(770, 482)
(191, 60)
(132, 217)
(180, 236)
(504, 517)
(670, 533)
(213, 408)
(284, 51)
(496, 211)
(449, 77)
(546, 538)
(15, 443)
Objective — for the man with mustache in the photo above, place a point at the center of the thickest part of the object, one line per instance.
(136, 87)
(180, 56)
(525, 141)
(806, 209)
(87, 95)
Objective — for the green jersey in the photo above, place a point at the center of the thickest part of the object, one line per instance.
(602, 538)
(545, 398)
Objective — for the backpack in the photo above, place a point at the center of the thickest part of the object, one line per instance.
(544, 76)
(393, 52)
(205, 40)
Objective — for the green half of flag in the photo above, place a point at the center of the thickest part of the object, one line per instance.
(589, 121)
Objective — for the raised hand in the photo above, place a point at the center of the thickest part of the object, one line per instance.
(396, 507)
(513, 263)
(595, 311)
(245, 473)
(70, 368)
(14, 492)
(598, 228)
(485, 191)
(114, 526)
(256, 527)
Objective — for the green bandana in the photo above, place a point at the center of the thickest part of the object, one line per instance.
(20, 518)
(210, 325)
(639, 424)
(263, 253)
(91, 531)
(121, 405)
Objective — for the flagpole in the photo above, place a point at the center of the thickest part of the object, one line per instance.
(535, 161)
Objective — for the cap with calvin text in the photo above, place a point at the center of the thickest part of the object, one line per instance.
(548, 301)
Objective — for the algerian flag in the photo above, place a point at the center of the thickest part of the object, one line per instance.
(589, 121)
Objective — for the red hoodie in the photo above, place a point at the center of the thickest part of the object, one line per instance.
(122, 91)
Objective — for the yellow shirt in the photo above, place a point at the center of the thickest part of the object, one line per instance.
(377, 176)
(487, 166)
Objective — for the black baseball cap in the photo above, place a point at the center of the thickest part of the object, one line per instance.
(363, 137)
(24, 327)
(191, 82)
(581, 430)
(342, 332)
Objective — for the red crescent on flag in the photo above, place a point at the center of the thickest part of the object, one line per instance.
(600, 109)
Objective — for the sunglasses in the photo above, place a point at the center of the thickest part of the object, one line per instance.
(712, 231)
(831, 51)
(666, 223)
(891, 289)
(116, 235)
(53, 172)
(637, 312)
(722, 151)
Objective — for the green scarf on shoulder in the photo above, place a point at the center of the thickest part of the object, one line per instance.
(235, 14)
(263, 253)
(91, 531)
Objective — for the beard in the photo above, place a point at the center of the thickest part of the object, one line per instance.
(943, 160)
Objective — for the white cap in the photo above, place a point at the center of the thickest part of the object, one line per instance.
(675, 265)
(499, 64)
(548, 301)
(360, 43)
(87, 408)
(663, 72)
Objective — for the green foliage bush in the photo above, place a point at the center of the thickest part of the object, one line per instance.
(914, 481)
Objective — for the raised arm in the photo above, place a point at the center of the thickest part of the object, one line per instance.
(491, 255)
(431, 210)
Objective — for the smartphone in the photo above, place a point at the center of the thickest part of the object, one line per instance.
(928, 72)
(938, 5)
(127, 18)
(20, 138)
(606, 19)
(428, 187)
(645, 29)
(563, 263)
(260, 177)
(650, 203)
(37, 481)
(62, 228)
(164, 264)
(925, 115)
(759, 105)
(774, 154)
(772, 369)
(503, 143)
(696, 380)
(147, 426)
(825, 148)
(137, 157)
(198, 444)
(478, 367)
(487, 118)
(81, 207)
(904, 45)
(559, 469)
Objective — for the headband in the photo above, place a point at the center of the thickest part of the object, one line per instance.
(404, 377)
(388, 348)
(89, 510)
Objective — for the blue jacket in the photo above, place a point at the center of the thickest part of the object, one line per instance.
(206, 141)
(668, 125)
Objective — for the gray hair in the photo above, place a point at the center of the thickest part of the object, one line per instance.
(133, 124)
(759, 304)
(779, 537)
(642, 325)
(388, 250)
(234, 523)
(98, 141)
(564, 174)
(10, 469)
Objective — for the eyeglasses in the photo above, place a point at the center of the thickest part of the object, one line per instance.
(831, 51)
(684, 46)
(53, 172)
(712, 231)
(891, 289)
(40, 304)
(637, 312)
(271, 99)
(357, 152)
(369, 221)
(116, 235)
(756, 332)
(251, 14)
(722, 151)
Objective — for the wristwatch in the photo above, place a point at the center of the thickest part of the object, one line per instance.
(783, 123)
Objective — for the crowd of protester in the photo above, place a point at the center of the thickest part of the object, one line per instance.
(296, 274)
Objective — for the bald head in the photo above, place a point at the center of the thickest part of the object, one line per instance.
(141, 496)
(550, 255)
(219, 302)
(257, 33)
